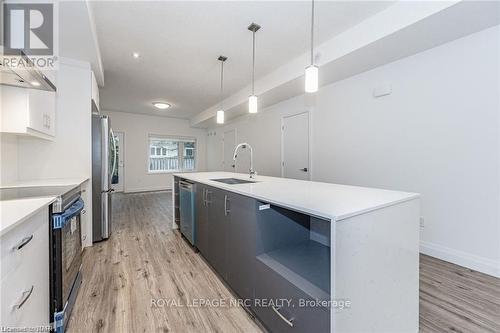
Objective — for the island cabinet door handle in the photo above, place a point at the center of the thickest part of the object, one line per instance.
(208, 201)
(276, 310)
(25, 297)
(205, 197)
(23, 243)
(226, 210)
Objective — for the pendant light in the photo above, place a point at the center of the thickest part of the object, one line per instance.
(311, 76)
(220, 113)
(252, 99)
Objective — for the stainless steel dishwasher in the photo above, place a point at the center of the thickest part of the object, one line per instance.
(187, 207)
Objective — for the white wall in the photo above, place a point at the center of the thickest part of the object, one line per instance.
(8, 158)
(263, 132)
(437, 134)
(137, 128)
(69, 154)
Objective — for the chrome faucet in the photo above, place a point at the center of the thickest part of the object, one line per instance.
(244, 145)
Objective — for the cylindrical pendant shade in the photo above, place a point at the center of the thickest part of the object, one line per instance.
(252, 104)
(220, 117)
(311, 81)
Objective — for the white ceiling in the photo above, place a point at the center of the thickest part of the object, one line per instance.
(179, 43)
(375, 42)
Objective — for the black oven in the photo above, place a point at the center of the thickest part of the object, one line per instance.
(66, 257)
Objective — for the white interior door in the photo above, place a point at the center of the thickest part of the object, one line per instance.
(229, 144)
(295, 146)
(117, 178)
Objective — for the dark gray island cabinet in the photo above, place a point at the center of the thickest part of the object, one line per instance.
(266, 256)
(310, 257)
(225, 225)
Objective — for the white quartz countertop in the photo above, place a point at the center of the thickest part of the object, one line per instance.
(326, 200)
(14, 212)
(46, 182)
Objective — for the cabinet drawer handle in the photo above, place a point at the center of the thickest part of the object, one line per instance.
(226, 211)
(276, 310)
(23, 242)
(26, 295)
(208, 201)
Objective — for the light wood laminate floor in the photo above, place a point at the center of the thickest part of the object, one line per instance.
(128, 279)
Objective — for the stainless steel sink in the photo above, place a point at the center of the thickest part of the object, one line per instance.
(232, 181)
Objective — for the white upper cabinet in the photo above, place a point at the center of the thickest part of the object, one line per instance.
(28, 112)
(95, 91)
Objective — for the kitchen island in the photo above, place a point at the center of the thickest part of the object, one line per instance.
(346, 256)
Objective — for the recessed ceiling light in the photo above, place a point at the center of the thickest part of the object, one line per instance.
(136, 55)
(35, 83)
(161, 105)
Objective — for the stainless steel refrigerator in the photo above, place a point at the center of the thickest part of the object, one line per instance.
(104, 162)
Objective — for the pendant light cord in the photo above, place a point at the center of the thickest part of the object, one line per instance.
(312, 32)
(221, 84)
(253, 63)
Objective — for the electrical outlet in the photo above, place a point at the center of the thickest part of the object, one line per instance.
(422, 223)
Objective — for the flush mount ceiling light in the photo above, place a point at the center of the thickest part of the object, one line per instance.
(220, 113)
(311, 75)
(161, 105)
(252, 99)
(35, 83)
(136, 55)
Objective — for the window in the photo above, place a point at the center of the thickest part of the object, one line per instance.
(171, 154)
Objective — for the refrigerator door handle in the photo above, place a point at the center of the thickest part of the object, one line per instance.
(115, 153)
(104, 217)
(105, 178)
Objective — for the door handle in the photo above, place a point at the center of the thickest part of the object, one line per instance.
(304, 169)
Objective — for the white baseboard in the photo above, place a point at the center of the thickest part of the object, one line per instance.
(147, 189)
(477, 263)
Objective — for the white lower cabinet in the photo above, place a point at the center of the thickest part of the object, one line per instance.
(25, 273)
(28, 112)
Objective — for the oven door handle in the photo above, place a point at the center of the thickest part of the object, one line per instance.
(59, 220)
